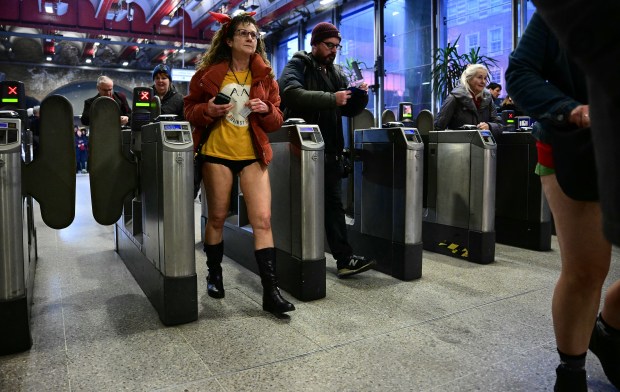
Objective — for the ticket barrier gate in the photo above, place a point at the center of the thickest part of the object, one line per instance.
(387, 199)
(50, 179)
(459, 196)
(522, 215)
(142, 183)
(297, 213)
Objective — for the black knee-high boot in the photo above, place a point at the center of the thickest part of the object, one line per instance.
(272, 299)
(215, 283)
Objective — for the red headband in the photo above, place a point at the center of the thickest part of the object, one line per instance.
(225, 19)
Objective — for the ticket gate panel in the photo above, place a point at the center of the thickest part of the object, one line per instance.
(112, 176)
(387, 209)
(50, 177)
(311, 207)
(453, 184)
(12, 283)
(282, 215)
(522, 215)
(460, 194)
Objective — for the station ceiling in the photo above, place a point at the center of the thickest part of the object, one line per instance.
(131, 34)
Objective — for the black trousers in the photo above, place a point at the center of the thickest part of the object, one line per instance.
(589, 30)
(335, 226)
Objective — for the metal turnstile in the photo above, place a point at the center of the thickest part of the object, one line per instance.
(50, 179)
(142, 182)
(522, 215)
(297, 213)
(15, 257)
(387, 199)
(459, 194)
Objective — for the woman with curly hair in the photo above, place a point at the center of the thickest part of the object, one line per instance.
(232, 140)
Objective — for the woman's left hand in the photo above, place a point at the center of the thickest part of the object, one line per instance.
(257, 105)
(483, 125)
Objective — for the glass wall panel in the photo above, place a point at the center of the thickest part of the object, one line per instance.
(488, 20)
(287, 47)
(357, 30)
(407, 51)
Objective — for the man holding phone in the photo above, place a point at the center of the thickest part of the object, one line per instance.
(315, 89)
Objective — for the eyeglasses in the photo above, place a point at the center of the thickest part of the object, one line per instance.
(245, 34)
(331, 46)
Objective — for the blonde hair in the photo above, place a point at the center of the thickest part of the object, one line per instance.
(470, 71)
(219, 50)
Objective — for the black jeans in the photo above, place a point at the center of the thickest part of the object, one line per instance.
(335, 226)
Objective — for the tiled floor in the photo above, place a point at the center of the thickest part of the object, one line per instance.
(461, 327)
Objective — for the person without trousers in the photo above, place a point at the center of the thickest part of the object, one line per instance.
(81, 150)
(469, 103)
(589, 31)
(236, 143)
(495, 89)
(105, 88)
(552, 89)
(314, 88)
(171, 100)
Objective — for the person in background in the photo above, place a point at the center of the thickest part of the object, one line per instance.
(508, 104)
(171, 100)
(495, 89)
(105, 88)
(552, 89)
(233, 141)
(469, 103)
(81, 150)
(314, 88)
(33, 115)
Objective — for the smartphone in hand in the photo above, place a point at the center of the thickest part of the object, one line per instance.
(221, 99)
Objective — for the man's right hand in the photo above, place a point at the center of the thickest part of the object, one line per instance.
(124, 120)
(342, 97)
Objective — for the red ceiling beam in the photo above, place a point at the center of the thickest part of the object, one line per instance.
(280, 11)
(102, 9)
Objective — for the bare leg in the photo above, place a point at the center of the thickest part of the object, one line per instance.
(586, 256)
(254, 181)
(218, 184)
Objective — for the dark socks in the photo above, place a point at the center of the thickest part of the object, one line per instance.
(573, 362)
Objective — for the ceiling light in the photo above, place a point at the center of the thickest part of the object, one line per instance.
(62, 8)
(165, 21)
(48, 58)
(182, 50)
(125, 63)
(89, 60)
(324, 2)
(49, 8)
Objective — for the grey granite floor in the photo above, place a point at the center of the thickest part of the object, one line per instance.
(461, 327)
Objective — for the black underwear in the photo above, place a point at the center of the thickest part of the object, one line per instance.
(234, 166)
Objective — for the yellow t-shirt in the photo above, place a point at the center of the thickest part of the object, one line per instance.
(230, 137)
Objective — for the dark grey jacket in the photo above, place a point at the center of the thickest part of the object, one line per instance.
(305, 94)
(172, 103)
(459, 109)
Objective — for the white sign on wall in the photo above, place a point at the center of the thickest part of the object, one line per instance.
(182, 75)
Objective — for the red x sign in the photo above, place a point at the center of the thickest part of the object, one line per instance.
(12, 90)
(144, 95)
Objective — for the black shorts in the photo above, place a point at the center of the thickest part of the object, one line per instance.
(234, 166)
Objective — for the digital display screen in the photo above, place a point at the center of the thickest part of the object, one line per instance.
(142, 116)
(510, 121)
(409, 132)
(4, 125)
(168, 127)
(524, 123)
(147, 104)
(306, 129)
(407, 111)
(145, 96)
(485, 133)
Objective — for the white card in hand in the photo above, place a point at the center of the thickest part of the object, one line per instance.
(245, 111)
